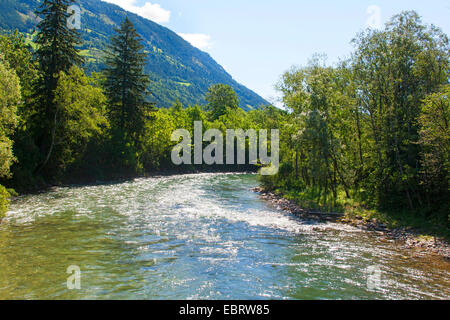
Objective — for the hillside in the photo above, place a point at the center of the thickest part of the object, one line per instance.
(177, 69)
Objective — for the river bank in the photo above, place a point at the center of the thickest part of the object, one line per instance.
(407, 238)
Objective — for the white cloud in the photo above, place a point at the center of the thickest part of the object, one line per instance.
(158, 14)
(201, 41)
(149, 10)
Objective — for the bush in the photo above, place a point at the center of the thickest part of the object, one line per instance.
(4, 201)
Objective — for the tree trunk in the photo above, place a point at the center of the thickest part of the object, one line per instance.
(52, 144)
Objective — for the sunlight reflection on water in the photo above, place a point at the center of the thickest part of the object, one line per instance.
(203, 236)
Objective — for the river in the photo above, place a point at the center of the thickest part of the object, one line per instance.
(205, 236)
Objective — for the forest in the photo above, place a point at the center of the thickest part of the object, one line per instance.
(369, 134)
(177, 70)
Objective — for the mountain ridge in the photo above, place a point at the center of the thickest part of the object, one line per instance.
(178, 70)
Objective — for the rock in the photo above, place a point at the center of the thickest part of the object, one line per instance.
(407, 236)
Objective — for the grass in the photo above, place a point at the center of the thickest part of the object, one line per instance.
(401, 219)
(312, 199)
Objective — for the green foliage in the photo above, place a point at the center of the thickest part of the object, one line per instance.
(435, 143)
(157, 143)
(373, 129)
(20, 58)
(81, 119)
(9, 99)
(126, 81)
(177, 70)
(12, 15)
(56, 53)
(56, 41)
(394, 71)
(221, 97)
(4, 202)
(121, 154)
(90, 140)
(363, 136)
(81, 111)
(321, 123)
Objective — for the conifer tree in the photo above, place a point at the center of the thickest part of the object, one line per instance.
(56, 53)
(126, 82)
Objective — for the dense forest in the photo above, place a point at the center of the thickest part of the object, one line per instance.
(372, 130)
(370, 133)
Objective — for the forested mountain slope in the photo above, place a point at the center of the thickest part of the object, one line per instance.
(177, 69)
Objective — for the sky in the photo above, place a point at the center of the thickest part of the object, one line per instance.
(258, 40)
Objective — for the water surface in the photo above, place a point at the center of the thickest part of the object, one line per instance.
(202, 236)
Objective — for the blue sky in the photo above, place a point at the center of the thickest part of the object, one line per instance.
(257, 40)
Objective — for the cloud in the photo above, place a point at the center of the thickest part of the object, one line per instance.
(156, 13)
(149, 10)
(201, 41)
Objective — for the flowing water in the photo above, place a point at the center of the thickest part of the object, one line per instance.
(204, 236)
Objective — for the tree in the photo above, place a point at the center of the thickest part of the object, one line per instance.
(20, 58)
(157, 141)
(56, 53)
(221, 97)
(9, 99)
(81, 110)
(395, 69)
(435, 143)
(126, 83)
(320, 101)
(375, 127)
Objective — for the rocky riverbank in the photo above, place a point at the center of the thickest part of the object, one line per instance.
(406, 237)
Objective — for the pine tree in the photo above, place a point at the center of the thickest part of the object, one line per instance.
(56, 53)
(126, 83)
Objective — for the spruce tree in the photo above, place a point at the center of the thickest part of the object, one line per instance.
(56, 52)
(126, 83)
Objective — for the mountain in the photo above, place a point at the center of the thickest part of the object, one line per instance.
(177, 69)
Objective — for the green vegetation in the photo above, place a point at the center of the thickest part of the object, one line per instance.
(126, 82)
(70, 127)
(9, 99)
(56, 54)
(176, 69)
(221, 100)
(370, 135)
